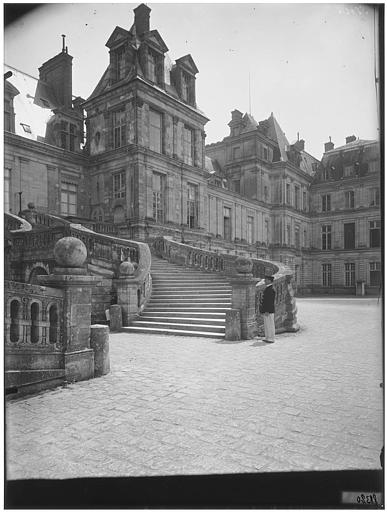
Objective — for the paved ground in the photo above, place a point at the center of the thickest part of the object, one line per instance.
(175, 405)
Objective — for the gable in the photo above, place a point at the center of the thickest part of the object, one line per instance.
(119, 34)
(188, 63)
(154, 38)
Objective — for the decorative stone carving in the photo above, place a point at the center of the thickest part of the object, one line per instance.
(126, 268)
(243, 265)
(70, 252)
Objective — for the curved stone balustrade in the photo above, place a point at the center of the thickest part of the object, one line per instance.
(227, 264)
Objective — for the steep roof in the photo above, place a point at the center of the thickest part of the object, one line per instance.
(274, 132)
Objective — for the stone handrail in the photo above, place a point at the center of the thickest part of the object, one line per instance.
(15, 224)
(33, 317)
(207, 260)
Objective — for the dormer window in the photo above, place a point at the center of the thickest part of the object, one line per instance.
(119, 63)
(155, 67)
(68, 135)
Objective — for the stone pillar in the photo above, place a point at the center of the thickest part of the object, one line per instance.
(99, 342)
(233, 325)
(127, 287)
(115, 312)
(70, 276)
(243, 297)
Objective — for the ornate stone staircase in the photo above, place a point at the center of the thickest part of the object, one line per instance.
(185, 302)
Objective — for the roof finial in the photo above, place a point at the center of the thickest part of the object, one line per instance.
(298, 136)
(63, 43)
(330, 138)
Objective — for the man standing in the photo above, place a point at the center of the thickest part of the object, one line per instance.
(267, 309)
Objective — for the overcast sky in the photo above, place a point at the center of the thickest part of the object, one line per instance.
(312, 65)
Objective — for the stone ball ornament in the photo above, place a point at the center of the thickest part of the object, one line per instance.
(243, 265)
(70, 252)
(127, 268)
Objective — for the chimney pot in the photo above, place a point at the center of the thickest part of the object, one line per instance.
(349, 139)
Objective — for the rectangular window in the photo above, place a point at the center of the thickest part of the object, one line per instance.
(155, 131)
(348, 171)
(375, 273)
(326, 237)
(158, 186)
(288, 198)
(326, 202)
(192, 205)
(119, 129)
(265, 194)
(349, 235)
(227, 223)
(327, 274)
(265, 153)
(236, 153)
(189, 145)
(154, 66)
(119, 63)
(349, 274)
(68, 135)
(288, 234)
(374, 197)
(250, 229)
(187, 88)
(7, 189)
(304, 201)
(297, 237)
(296, 197)
(350, 199)
(7, 116)
(68, 199)
(119, 185)
(375, 233)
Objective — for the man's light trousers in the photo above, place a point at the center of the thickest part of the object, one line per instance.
(268, 322)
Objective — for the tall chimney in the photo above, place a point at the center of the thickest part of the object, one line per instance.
(329, 145)
(141, 19)
(349, 139)
(57, 72)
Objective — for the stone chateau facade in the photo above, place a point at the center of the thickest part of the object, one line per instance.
(131, 160)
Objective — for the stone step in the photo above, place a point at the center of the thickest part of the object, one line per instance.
(180, 326)
(177, 332)
(209, 294)
(189, 279)
(188, 307)
(187, 302)
(184, 319)
(192, 289)
(192, 314)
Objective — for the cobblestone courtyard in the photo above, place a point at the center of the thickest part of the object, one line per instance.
(174, 405)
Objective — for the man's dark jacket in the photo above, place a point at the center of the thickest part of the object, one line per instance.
(268, 298)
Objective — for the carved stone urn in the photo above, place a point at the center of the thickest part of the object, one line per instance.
(126, 269)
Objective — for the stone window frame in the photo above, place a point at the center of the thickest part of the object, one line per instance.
(65, 185)
(159, 197)
(250, 229)
(153, 110)
(349, 199)
(374, 233)
(119, 184)
(326, 237)
(192, 205)
(155, 68)
(189, 157)
(68, 135)
(119, 55)
(7, 183)
(119, 126)
(326, 203)
(374, 273)
(374, 196)
(349, 274)
(326, 275)
(349, 242)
